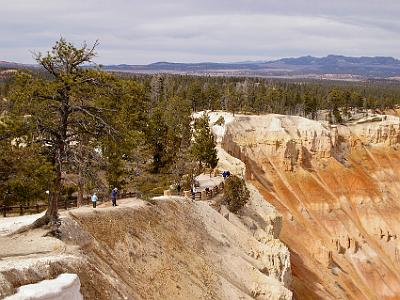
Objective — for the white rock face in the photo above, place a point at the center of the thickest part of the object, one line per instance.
(292, 141)
(218, 130)
(228, 162)
(262, 222)
(386, 131)
(64, 287)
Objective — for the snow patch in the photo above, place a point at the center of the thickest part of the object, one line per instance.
(64, 287)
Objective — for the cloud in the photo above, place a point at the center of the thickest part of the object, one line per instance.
(188, 31)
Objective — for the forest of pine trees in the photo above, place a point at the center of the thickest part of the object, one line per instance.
(68, 127)
(261, 95)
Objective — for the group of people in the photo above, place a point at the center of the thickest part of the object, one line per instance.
(114, 194)
(194, 190)
(114, 191)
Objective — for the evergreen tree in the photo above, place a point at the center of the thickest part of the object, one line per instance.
(157, 139)
(236, 193)
(58, 111)
(177, 117)
(204, 145)
(25, 174)
(125, 153)
(335, 102)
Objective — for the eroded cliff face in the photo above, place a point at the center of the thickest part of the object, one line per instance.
(173, 249)
(338, 189)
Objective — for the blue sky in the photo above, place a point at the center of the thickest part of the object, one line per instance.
(139, 32)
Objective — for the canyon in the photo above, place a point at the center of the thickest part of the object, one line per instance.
(337, 188)
(322, 223)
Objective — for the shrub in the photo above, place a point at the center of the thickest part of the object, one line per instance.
(236, 194)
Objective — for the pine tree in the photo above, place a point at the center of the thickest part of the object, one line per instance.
(236, 193)
(204, 145)
(57, 112)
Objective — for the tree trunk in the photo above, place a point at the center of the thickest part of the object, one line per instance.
(51, 215)
(54, 198)
(79, 200)
(80, 194)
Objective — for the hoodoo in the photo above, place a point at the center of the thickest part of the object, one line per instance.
(337, 188)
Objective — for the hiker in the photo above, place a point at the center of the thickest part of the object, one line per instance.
(114, 193)
(193, 192)
(94, 200)
(207, 189)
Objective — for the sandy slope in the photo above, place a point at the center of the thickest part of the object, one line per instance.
(176, 249)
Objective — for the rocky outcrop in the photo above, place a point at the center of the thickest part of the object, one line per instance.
(171, 249)
(337, 188)
(292, 141)
(383, 130)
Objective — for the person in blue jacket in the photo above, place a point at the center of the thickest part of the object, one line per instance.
(114, 193)
(94, 200)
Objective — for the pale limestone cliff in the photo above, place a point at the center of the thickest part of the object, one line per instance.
(292, 141)
(337, 188)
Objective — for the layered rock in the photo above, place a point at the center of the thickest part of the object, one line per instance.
(337, 188)
(173, 249)
(290, 141)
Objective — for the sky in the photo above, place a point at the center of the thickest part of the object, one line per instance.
(147, 31)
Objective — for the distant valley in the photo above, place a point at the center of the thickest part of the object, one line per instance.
(334, 67)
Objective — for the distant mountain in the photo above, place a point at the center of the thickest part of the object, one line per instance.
(338, 60)
(14, 65)
(330, 67)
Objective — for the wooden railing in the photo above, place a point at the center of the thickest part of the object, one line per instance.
(35, 208)
(208, 195)
(202, 195)
(65, 203)
(21, 209)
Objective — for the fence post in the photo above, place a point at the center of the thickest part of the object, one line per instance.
(37, 208)
(4, 211)
(65, 203)
(21, 210)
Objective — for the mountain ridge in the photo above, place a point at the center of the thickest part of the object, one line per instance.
(300, 60)
(332, 66)
(338, 66)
